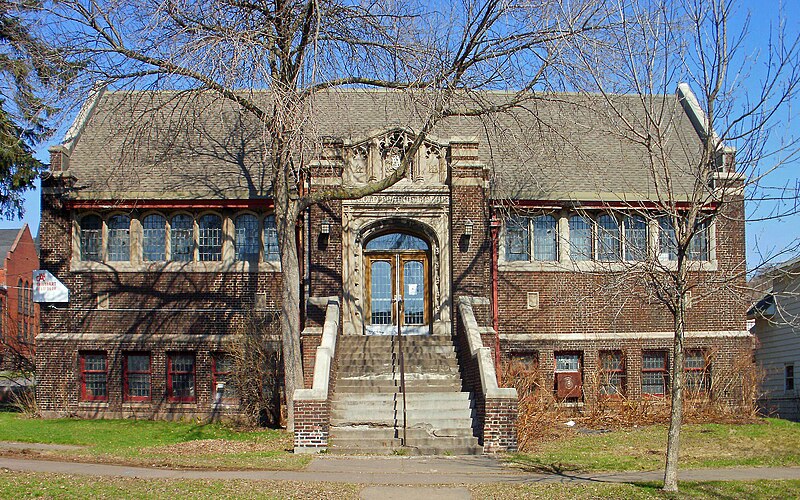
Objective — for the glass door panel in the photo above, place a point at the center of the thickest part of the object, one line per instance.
(414, 292)
(381, 288)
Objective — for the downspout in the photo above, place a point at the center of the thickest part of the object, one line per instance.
(494, 229)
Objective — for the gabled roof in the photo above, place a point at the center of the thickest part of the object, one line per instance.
(176, 145)
(7, 239)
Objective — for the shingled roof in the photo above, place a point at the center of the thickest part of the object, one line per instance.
(175, 145)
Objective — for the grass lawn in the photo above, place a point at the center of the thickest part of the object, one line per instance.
(711, 489)
(39, 485)
(144, 442)
(773, 442)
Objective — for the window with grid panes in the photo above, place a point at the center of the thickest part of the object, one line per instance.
(181, 377)
(789, 377)
(137, 376)
(94, 376)
(222, 373)
(119, 238)
(654, 373)
(91, 235)
(271, 250)
(517, 239)
(154, 238)
(697, 372)
(181, 234)
(247, 244)
(608, 238)
(613, 373)
(580, 238)
(209, 238)
(545, 238)
(635, 230)
(699, 248)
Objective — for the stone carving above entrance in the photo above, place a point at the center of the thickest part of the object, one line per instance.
(378, 156)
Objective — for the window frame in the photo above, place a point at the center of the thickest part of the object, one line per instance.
(215, 373)
(217, 254)
(702, 237)
(269, 243)
(109, 238)
(627, 237)
(531, 229)
(603, 253)
(663, 371)
(788, 379)
(144, 236)
(620, 371)
(126, 372)
(564, 354)
(255, 256)
(192, 229)
(170, 372)
(704, 371)
(97, 237)
(85, 397)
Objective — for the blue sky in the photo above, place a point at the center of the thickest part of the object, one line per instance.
(764, 237)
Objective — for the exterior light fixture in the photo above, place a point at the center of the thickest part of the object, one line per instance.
(325, 227)
(468, 225)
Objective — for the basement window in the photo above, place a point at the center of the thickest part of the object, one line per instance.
(94, 376)
(181, 377)
(654, 373)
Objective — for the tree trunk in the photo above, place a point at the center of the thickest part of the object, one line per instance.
(287, 211)
(290, 322)
(676, 411)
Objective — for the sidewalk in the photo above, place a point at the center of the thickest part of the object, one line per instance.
(399, 471)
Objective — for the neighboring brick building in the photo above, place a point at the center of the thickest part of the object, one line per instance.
(156, 214)
(19, 318)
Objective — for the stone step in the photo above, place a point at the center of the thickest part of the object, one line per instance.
(389, 420)
(450, 384)
(385, 368)
(392, 339)
(461, 397)
(395, 403)
(366, 433)
(407, 451)
(383, 354)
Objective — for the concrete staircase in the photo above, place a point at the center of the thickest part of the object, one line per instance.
(367, 404)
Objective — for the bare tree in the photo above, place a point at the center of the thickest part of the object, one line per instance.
(690, 46)
(438, 55)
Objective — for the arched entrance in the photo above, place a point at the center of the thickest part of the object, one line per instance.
(397, 264)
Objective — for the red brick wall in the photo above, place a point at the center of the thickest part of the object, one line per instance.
(20, 263)
(312, 424)
(145, 305)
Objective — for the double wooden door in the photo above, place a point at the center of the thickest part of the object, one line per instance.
(393, 275)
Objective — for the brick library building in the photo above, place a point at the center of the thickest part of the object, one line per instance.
(522, 243)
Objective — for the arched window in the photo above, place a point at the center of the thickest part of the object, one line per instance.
(635, 237)
(28, 299)
(271, 250)
(119, 238)
(181, 232)
(20, 296)
(580, 238)
(91, 236)
(608, 238)
(209, 241)
(154, 238)
(517, 238)
(247, 238)
(545, 238)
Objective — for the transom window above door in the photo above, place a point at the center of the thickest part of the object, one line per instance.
(396, 241)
